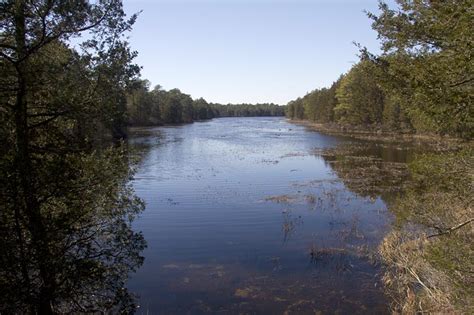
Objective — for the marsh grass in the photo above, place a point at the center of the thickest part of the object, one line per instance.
(433, 141)
(363, 173)
(289, 225)
(429, 255)
(427, 258)
(282, 199)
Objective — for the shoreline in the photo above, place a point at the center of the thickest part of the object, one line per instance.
(421, 271)
(361, 133)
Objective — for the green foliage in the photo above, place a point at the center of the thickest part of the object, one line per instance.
(295, 109)
(321, 103)
(66, 205)
(247, 110)
(202, 110)
(360, 100)
(159, 107)
(439, 200)
(428, 47)
(423, 81)
(141, 103)
(448, 172)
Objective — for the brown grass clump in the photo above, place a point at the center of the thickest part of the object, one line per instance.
(282, 199)
(429, 255)
(412, 282)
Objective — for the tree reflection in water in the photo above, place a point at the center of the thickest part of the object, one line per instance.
(85, 248)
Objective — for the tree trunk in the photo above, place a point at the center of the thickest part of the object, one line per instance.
(25, 172)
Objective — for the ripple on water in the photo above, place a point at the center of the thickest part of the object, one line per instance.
(243, 217)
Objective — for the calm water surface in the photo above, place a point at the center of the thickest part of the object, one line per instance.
(243, 217)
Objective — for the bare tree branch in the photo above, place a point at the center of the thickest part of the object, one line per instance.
(451, 229)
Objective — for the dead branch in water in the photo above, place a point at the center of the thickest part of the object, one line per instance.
(448, 231)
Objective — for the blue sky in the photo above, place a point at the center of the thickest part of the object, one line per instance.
(232, 51)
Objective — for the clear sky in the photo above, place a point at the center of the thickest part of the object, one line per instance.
(243, 51)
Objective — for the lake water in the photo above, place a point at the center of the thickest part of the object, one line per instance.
(243, 216)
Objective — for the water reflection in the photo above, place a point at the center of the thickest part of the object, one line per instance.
(74, 255)
(256, 215)
(372, 170)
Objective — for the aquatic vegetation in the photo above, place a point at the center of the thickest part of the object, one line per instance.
(266, 161)
(289, 225)
(293, 154)
(428, 256)
(282, 199)
(246, 227)
(249, 292)
(364, 173)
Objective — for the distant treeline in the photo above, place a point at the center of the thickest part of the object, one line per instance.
(422, 82)
(157, 107)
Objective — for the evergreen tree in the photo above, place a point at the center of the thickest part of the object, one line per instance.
(65, 202)
(360, 99)
(427, 48)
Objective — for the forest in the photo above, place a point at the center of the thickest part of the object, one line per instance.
(158, 107)
(70, 88)
(65, 198)
(66, 202)
(422, 82)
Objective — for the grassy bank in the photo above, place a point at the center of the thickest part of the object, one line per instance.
(428, 254)
(375, 133)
